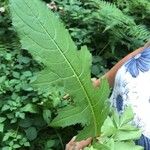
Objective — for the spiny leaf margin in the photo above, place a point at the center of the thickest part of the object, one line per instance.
(42, 33)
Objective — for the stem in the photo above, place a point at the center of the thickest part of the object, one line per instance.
(60, 139)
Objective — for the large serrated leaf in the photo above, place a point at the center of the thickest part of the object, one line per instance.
(42, 33)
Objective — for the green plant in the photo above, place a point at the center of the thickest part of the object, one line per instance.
(18, 69)
(52, 45)
(24, 109)
(88, 106)
(139, 9)
(109, 32)
(118, 23)
(118, 132)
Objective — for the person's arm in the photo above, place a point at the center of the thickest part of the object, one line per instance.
(110, 75)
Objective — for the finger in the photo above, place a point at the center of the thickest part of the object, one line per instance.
(96, 82)
(74, 146)
(83, 143)
(77, 145)
(70, 146)
(93, 79)
(70, 143)
(73, 139)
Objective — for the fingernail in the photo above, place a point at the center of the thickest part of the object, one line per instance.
(74, 138)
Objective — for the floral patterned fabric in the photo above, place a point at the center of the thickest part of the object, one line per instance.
(132, 87)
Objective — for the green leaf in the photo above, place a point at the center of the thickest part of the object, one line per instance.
(127, 135)
(50, 143)
(2, 49)
(6, 136)
(5, 107)
(90, 148)
(6, 148)
(30, 108)
(2, 119)
(47, 115)
(2, 79)
(27, 122)
(118, 128)
(116, 118)
(127, 146)
(112, 145)
(15, 146)
(108, 127)
(27, 73)
(128, 127)
(127, 116)
(42, 33)
(8, 56)
(31, 133)
(109, 145)
(26, 144)
(1, 127)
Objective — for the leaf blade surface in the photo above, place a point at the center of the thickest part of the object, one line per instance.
(42, 33)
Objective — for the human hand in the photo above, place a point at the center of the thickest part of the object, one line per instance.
(73, 145)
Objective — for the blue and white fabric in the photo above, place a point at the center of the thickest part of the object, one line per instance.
(132, 87)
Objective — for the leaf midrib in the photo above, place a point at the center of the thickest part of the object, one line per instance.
(72, 68)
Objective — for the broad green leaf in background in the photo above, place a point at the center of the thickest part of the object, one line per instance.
(48, 41)
(31, 133)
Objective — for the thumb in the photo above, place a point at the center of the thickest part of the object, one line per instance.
(96, 82)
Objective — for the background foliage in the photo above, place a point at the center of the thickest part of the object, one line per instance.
(110, 29)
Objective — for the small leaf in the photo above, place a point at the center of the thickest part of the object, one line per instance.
(2, 119)
(2, 79)
(116, 118)
(27, 73)
(127, 116)
(50, 143)
(20, 115)
(15, 146)
(127, 146)
(31, 133)
(6, 148)
(127, 135)
(8, 56)
(6, 136)
(109, 145)
(1, 127)
(108, 127)
(16, 74)
(5, 107)
(47, 115)
(30, 108)
(39, 121)
(27, 122)
(90, 148)
(128, 127)
(27, 144)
